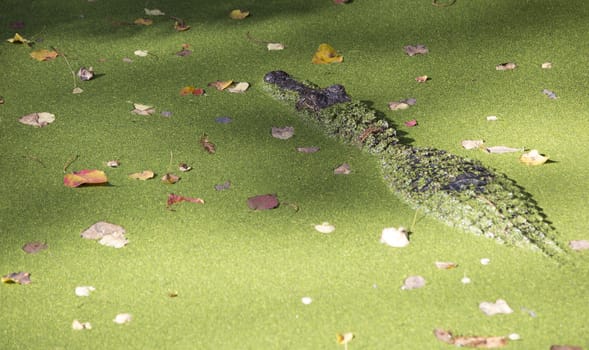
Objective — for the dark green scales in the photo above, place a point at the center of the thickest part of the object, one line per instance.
(458, 191)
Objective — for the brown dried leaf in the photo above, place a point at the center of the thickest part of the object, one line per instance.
(34, 247)
(39, 119)
(101, 229)
(506, 66)
(170, 178)
(443, 265)
(343, 169)
(17, 277)
(207, 145)
(144, 175)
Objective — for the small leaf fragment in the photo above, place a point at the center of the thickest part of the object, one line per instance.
(85, 74)
(220, 84)
(422, 78)
(551, 94)
(445, 265)
(275, 46)
(565, 347)
(506, 66)
(239, 87)
(470, 341)
(395, 237)
(39, 119)
(84, 291)
(113, 164)
(18, 39)
(546, 65)
(34, 247)
(325, 227)
(344, 338)
(533, 157)
(43, 55)
(224, 186)
(144, 175)
(503, 149)
(183, 167)
(413, 282)
(174, 198)
(343, 169)
(142, 109)
(207, 145)
(411, 123)
(115, 240)
(170, 178)
(283, 133)
(123, 318)
(412, 50)
(238, 14)
(17, 278)
(498, 307)
(326, 54)
(308, 149)
(578, 245)
(78, 326)
(141, 53)
(153, 12)
(86, 176)
(263, 202)
(143, 21)
(472, 144)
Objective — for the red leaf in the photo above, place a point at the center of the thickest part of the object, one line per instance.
(263, 202)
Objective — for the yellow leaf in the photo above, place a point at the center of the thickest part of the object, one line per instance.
(86, 176)
(221, 85)
(43, 55)
(238, 14)
(239, 87)
(326, 54)
(144, 175)
(533, 157)
(143, 21)
(17, 39)
(344, 338)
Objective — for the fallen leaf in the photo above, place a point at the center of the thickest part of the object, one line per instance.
(224, 186)
(306, 300)
(344, 338)
(533, 157)
(398, 106)
(170, 178)
(470, 341)
(185, 51)
(502, 149)
(326, 54)
(263, 202)
(101, 229)
(207, 145)
(395, 237)
(472, 144)
(551, 94)
(413, 282)
(84, 291)
(43, 55)
(413, 50)
(546, 65)
(183, 167)
(86, 176)
(422, 78)
(17, 277)
(308, 149)
(411, 123)
(77, 90)
(166, 114)
(343, 169)
(498, 307)
(492, 118)
(325, 227)
(141, 109)
(180, 25)
(577, 245)
(115, 240)
(445, 265)
(174, 198)
(143, 21)
(283, 133)
(220, 84)
(123, 318)
(144, 175)
(127, 60)
(113, 164)
(39, 119)
(78, 326)
(239, 87)
(153, 12)
(565, 347)
(18, 39)
(191, 90)
(34, 247)
(485, 261)
(506, 66)
(275, 46)
(141, 53)
(85, 74)
(238, 14)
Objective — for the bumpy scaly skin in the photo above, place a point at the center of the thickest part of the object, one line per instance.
(458, 191)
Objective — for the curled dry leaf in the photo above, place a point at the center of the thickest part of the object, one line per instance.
(343, 169)
(113, 163)
(275, 46)
(470, 341)
(85, 74)
(282, 133)
(565, 347)
(39, 119)
(413, 50)
(411, 123)
(84, 291)
(180, 25)
(34, 247)
(445, 265)
(174, 198)
(533, 157)
(17, 277)
(503, 149)
(325, 227)
(18, 39)
(207, 145)
(344, 338)
(472, 144)
(43, 55)
(78, 326)
(144, 175)
(498, 307)
(142, 109)
(238, 14)
(263, 202)
(170, 178)
(413, 282)
(422, 78)
(85, 177)
(546, 65)
(123, 318)
(326, 54)
(506, 66)
(395, 237)
(185, 51)
(141, 53)
(220, 84)
(577, 245)
(239, 87)
(101, 229)
(183, 167)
